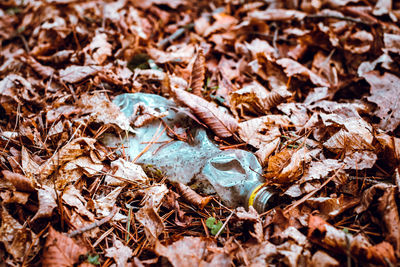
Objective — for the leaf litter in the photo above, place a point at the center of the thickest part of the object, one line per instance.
(311, 87)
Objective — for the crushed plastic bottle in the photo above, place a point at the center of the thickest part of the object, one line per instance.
(232, 174)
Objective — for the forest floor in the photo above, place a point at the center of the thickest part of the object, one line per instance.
(311, 87)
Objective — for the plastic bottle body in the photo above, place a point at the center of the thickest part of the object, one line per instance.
(232, 174)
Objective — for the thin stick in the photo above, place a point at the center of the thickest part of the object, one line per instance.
(95, 224)
(289, 208)
(154, 139)
(225, 223)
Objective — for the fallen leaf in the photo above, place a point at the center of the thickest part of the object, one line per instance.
(47, 202)
(16, 238)
(60, 250)
(102, 110)
(100, 48)
(74, 73)
(222, 124)
(198, 73)
(322, 259)
(20, 182)
(120, 253)
(188, 251)
(383, 88)
(126, 172)
(151, 221)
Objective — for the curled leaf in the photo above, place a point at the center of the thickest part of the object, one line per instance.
(191, 196)
(198, 73)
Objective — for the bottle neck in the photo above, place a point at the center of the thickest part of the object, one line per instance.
(261, 198)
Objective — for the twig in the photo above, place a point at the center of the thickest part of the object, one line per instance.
(289, 208)
(225, 223)
(322, 16)
(94, 224)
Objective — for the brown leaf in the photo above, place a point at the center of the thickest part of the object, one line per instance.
(21, 182)
(189, 251)
(389, 214)
(198, 73)
(61, 250)
(322, 259)
(102, 110)
(47, 202)
(153, 225)
(191, 196)
(383, 89)
(220, 122)
(293, 68)
(287, 165)
(15, 237)
(100, 48)
(67, 153)
(119, 252)
(74, 74)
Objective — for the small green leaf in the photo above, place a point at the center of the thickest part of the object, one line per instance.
(216, 227)
(93, 259)
(210, 222)
(213, 225)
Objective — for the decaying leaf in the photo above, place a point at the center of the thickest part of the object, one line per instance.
(15, 237)
(120, 253)
(143, 114)
(47, 202)
(189, 251)
(153, 225)
(61, 250)
(102, 110)
(287, 165)
(19, 181)
(383, 89)
(198, 74)
(222, 124)
(70, 151)
(191, 196)
(100, 48)
(74, 74)
(126, 172)
(329, 237)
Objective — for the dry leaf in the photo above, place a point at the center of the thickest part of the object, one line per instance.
(322, 259)
(102, 110)
(74, 74)
(126, 172)
(19, 181)
(119, 252)
(287, 165)
(198, 73)
(189, 251)
(61, 250)
(262, 130)
(143, 114)
(153, 225)
(179, 54)
(293, 68)
(67, 153)
(100, 48)
(72, 197)
(383, 89)
(15, 237)
(222, 124)
(104, 205)
(47, 202)
(191, 196)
